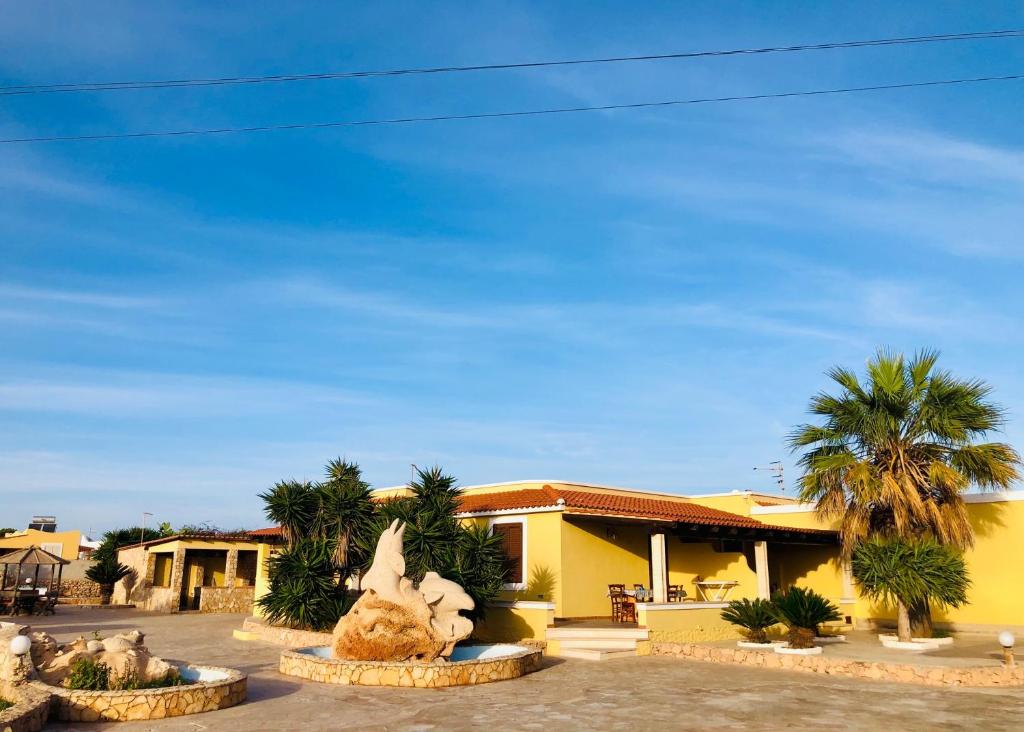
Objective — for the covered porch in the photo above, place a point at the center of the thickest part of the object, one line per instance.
(686, 566)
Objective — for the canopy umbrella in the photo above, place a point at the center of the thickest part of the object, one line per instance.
(31, 560)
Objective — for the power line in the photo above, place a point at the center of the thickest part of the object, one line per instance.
(233, 80)
(495, 115)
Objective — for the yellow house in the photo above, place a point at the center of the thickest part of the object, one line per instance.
(686, 556)
(64, 544)
(197, 572)
(565, 543)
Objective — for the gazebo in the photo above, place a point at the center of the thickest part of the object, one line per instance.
(20, 587)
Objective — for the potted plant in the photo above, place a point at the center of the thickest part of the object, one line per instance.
(106, 573)
(754, 616)
(802, 611)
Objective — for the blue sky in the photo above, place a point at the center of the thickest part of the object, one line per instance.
(643, 298)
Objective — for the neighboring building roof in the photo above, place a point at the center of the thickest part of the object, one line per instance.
(212, 536)
(31, 555)
(269, 531)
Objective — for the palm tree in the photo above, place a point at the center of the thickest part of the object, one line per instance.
(910, 574)
(293, 506)
(107, 572)
(894, 456)
(346, 508)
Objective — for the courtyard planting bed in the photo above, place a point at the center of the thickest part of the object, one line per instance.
(256, 629)
(469, 665)
(30, 711)
(208, 688)
(978, 676)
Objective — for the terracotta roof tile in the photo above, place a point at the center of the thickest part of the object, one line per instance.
(614, 504)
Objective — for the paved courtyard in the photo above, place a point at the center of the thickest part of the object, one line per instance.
(627, 694)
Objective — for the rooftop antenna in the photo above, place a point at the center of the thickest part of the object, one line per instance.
(776, 469)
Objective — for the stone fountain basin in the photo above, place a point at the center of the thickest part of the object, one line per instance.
(471, 664)
(207, 689)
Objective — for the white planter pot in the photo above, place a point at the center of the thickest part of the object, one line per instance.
(758, 646)
(917, 644)
(785, 650)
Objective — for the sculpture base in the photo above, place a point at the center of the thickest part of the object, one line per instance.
(476, 664)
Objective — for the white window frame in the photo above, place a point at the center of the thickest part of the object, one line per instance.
(521, 520)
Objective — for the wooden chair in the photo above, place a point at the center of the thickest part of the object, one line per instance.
(640, 592)
(676, 593)
(623, 605)
(623, 609)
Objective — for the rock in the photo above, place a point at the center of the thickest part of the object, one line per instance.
(378, 630)
(395, 621)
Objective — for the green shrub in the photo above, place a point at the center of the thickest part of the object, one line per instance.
(89, 675)
(802, 611)
(754, 616)
(4, 704)
(304, 592)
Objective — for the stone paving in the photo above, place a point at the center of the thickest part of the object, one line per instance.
(633, 694)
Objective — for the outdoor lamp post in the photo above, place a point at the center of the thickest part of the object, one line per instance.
(20, 646)
(1006, 640)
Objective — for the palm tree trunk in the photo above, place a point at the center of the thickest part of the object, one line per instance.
(902, 622)
(921, 621)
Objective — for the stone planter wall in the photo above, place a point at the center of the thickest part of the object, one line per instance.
(70, 705)
(422, 675)
(226, 600)
(79, 592)
(255, 629)
(899, 672)
(30, 711)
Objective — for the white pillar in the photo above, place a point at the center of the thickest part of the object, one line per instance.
(659, 568)
(761, 567)
(849, 592)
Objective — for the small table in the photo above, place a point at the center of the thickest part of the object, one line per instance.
(715, 590)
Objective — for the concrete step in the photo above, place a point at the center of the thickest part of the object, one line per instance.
(595, 654)
(570, 633)
(621, 644)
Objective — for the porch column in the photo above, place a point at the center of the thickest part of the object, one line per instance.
(659, 567)
(231, 567)
(761, 567)
(849, 592)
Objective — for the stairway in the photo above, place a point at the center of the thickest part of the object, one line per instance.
(594, 644)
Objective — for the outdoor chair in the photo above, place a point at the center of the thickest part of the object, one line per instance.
(47, 605)
(676, 593)
(640, 592)
(25, 602)
(623, 609)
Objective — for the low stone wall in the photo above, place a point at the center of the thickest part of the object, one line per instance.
(256, 629)
(79, 592)
(30, 711)
(898, 672)
(226, 599)
(421, 675)
(72, 705)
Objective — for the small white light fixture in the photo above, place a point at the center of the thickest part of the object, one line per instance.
(20, 645)
(1006, 640)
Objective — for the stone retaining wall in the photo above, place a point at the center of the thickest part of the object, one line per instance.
(72, 589)
(30, 711)
(226, 599)
(288, 637)
(899, 672)
(422, 675)
(73, 705)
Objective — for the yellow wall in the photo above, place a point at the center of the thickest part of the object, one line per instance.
(263, 552)
(686, 561)
(69, 541)
(594, 555)
(685, 625)
(996, 596)
(163, 564)
(505, 624)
